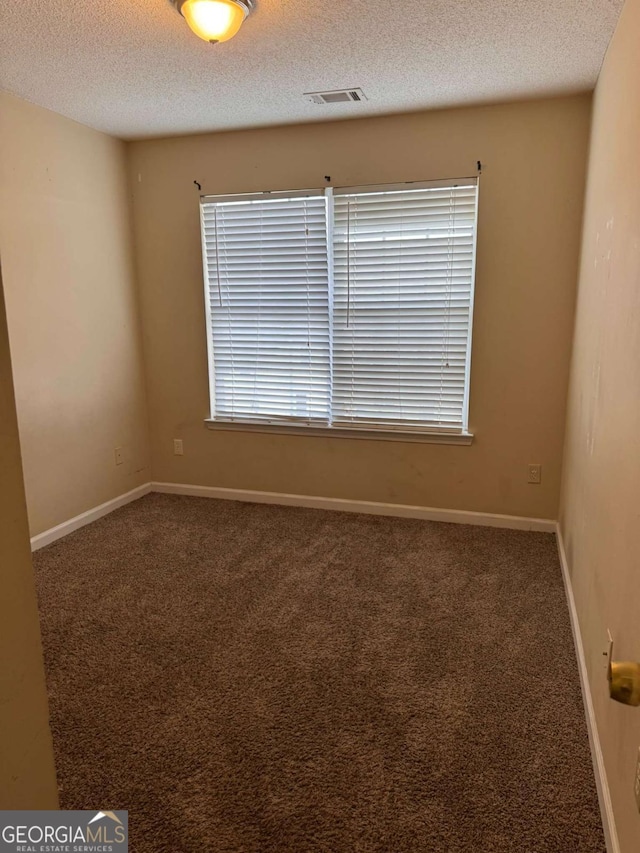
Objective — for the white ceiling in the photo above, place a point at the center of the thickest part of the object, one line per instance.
(134, 69)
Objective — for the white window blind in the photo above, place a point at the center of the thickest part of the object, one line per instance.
(268, 308)
(349, 309)
(403, 284)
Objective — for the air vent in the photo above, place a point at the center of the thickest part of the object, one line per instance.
(340, 96)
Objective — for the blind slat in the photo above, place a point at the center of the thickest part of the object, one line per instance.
(403, 280)
(268, 298)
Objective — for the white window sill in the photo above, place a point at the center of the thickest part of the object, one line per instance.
(345, 432)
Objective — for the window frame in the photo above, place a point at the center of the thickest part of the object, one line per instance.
(416, 434)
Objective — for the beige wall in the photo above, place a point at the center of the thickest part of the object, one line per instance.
(27, 774)
(73, 317)
(600, 512)
(531, 196)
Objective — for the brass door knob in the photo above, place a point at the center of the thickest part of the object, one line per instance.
(624, 682)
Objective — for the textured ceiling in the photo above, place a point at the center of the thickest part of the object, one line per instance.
(134, 69)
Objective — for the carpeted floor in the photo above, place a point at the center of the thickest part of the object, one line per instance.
(262, 679)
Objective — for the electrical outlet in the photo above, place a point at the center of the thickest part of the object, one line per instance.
(535, 474)
(118, 455)
(636, 786)
(178, 449)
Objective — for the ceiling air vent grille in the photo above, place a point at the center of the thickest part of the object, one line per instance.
(340, 96)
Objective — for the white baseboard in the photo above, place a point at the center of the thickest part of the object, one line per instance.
(454, 516)
(60, 530)
(599, 770)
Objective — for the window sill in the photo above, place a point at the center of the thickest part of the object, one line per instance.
(464, 438)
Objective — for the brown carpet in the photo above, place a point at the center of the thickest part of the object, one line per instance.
(262, 679)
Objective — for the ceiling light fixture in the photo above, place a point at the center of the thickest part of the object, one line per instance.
(214, 20)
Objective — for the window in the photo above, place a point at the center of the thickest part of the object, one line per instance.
(346, 309)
